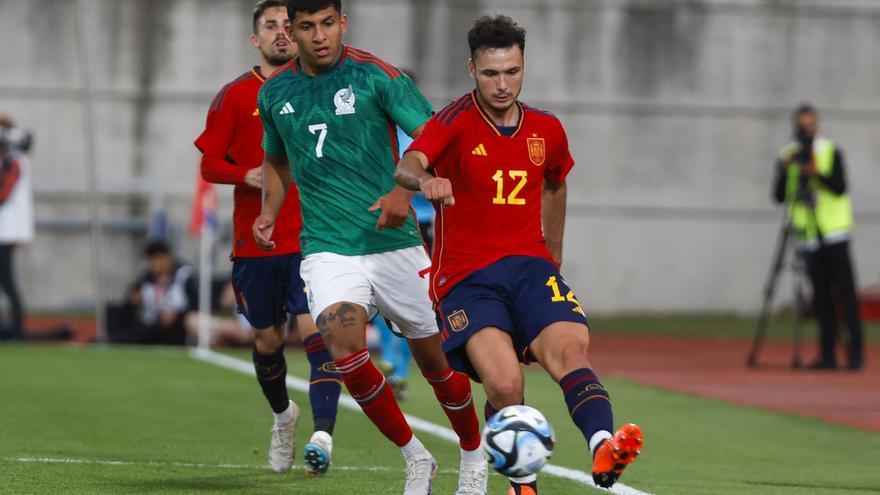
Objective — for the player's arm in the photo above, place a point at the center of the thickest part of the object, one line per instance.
(553, 200)
(412, 173)
(395, 204)
(219, 170)
(407, 108)
(276, 182)
(214, 144)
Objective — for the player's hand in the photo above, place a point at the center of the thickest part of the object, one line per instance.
(555, 248)
(263, 228)
(395, 210)
(254, 177)
(438, 189)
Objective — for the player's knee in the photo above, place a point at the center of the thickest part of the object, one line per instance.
(268, 340)
(504, 392)
(342, 349)
(428, 354)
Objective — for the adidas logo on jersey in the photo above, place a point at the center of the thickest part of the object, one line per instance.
(480, 150)
(286, 109)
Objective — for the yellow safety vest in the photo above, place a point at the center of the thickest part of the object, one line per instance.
(833, 213)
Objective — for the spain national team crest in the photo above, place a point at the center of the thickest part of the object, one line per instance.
(536, 150)
(458, 320)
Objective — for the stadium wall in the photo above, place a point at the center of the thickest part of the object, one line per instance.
(674, 110)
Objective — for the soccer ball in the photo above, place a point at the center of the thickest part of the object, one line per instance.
(518, 440)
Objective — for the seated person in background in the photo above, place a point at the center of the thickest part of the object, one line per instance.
(157, 304)
(230, 328)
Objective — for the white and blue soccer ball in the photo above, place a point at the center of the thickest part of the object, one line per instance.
(518, 441)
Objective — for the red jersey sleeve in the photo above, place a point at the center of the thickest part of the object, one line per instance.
(561, 162)
(10, 172)
(215, 140)
(435, 140)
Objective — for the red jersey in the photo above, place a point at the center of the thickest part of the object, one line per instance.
(231, 145)
(497, 183)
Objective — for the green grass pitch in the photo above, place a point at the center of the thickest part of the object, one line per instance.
(155, 421)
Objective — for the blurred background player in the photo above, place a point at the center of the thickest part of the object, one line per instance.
(495, 274)
(16, 218)
(328, 120)
(268, 284)
(811, 179)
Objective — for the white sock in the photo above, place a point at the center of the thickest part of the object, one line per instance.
(525, 480)
(597, 438)
(473, 456)
(286, 416)
(413, 448)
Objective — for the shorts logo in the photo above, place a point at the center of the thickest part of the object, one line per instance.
(344, 101)
(458, 320)
(536, 150)
(328, 367)
(242, 302)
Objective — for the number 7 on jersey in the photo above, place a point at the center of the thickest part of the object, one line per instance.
(319, 148)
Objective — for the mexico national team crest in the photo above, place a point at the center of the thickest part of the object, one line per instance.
(536, 150)
(344, 101)
(458, 320)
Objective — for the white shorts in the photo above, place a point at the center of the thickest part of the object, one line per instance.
(388, 282)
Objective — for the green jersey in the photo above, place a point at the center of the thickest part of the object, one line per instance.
(338, 130)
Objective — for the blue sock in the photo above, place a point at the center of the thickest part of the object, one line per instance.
(588, 402)
(272, 374)
(324, 384)
(401, 357)
(387, 339)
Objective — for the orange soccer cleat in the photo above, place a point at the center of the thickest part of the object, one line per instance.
(518, 489)
(614, 454)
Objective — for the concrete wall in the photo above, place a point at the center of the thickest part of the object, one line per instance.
(674, 109)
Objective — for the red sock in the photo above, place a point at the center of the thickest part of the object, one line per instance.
(453, 390)
(368, 387)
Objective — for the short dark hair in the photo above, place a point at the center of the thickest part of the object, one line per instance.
(495, 32)
(803, 108)
(155, 247)
(263, 5)
(311, 6)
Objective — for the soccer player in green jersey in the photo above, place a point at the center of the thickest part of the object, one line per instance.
(329, 120)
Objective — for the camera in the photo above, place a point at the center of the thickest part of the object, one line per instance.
(804, 155)
(17, 140)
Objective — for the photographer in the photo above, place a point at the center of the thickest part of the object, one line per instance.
(810, 178)
(16, 217)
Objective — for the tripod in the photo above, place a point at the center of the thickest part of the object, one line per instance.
(798, 267)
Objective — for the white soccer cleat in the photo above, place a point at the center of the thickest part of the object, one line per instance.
(281, 446)
(472, 478)
(419, 473)
(317, 452)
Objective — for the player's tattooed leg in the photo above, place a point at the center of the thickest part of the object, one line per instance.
(345, 316)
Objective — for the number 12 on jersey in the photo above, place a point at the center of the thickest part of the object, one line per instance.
(511, 198)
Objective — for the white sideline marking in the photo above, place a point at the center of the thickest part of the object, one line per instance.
(53, 460)
(345, 400)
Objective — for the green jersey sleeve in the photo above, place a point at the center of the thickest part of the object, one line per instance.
(273, 145)
(404, 103)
